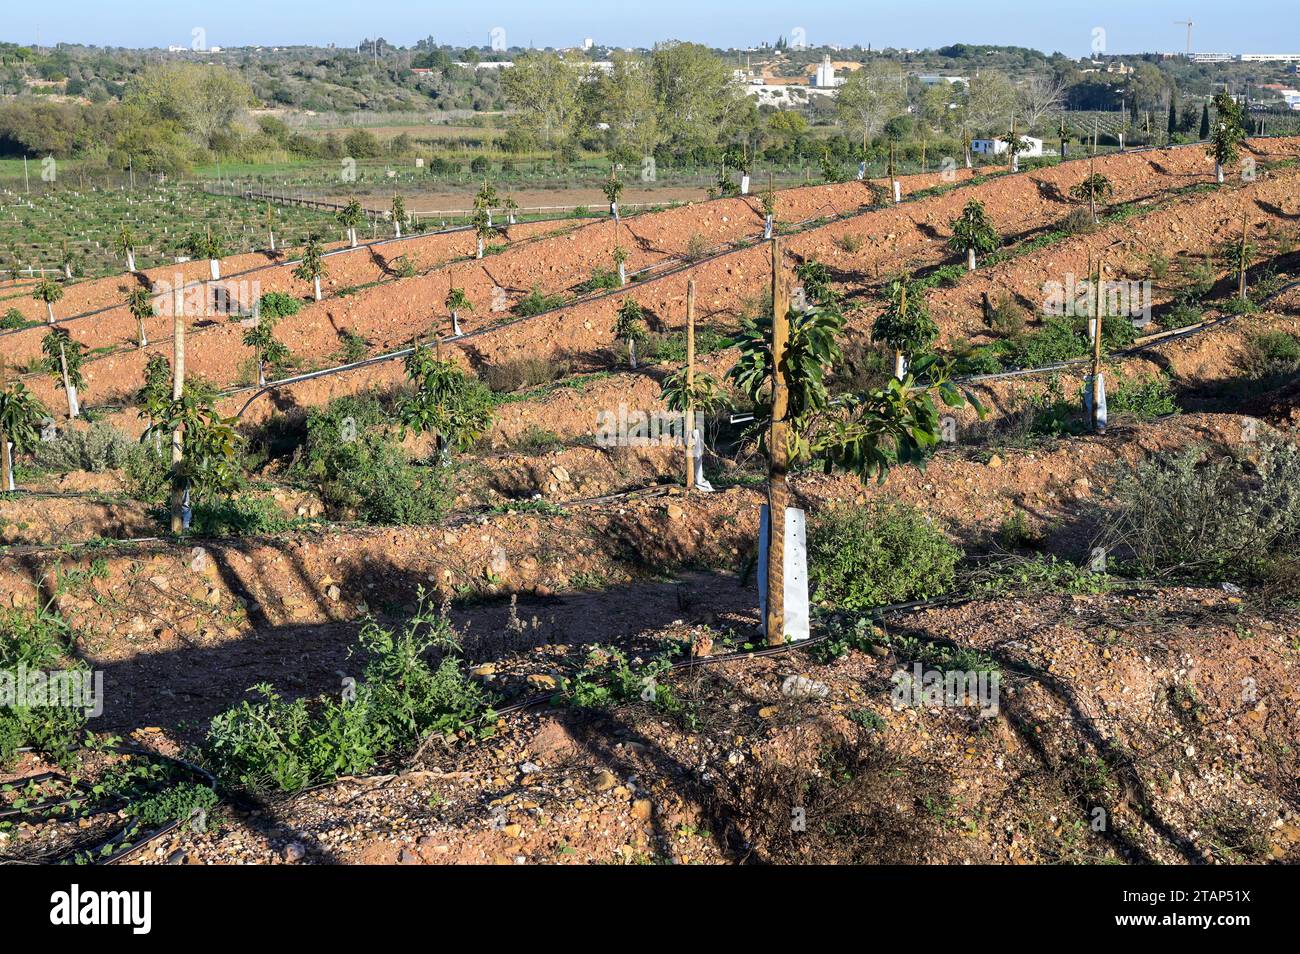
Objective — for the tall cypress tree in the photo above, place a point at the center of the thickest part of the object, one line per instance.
(1173, 113)
(1205, 121)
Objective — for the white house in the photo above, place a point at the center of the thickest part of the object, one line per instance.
(996, 147)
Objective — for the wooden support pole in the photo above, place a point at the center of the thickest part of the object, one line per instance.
(178, 389)
(777, 490)
(1098, 424)
(1241, 265)
(689, 417)
(6, 461)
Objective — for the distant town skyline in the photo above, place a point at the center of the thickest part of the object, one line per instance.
(1072, 27)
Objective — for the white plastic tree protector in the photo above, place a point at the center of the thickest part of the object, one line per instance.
(767, 227)
(9, 458)
(744, 184)
(796, 571)
(862, 170)
(1101, 403)
(697, 450)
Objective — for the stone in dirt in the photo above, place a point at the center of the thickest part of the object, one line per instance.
(293, 852)
(801, 687)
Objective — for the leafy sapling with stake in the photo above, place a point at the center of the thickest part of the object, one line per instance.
(905, 325)
(629, 325)
(266, 348)
(50, 292)
(456, 302)
(63, 360)
(21, 415)
(484, 200)
(140, 304)
(312, 267)
(350, 216)
(454, 407)
(972, 232)
(398, 214)
(613, 189)
(1228, 135)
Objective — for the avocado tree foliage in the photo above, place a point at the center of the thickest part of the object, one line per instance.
(312, 267)
(629, 325)
(63, 359)
(267, 349)
(50, 292)
(21, 414)
(864, 433)
(140, 304)
(350, 216)
(973, 232)
(448, 403)
(209, 464)
(1228, 134)
(905, 326)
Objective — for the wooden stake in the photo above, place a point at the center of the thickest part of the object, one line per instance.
(689, 418)
(1241, 265)
(777, 490)
(6, 470)
(178, 389)
(1097, 424)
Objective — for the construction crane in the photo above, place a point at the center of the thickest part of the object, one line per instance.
(1187, 23)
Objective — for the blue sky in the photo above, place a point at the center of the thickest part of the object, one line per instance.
(1263, 26)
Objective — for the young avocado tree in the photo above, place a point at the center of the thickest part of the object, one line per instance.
(613, 188)
(398, 213)
(905, 325)
(783, 367)
(350, 216)
(124, 242)
(68, 261)
(205, 452)
(1228, 135)
(206, 245)
(140, 304)
(972, 233)
(1237, 255)
(155, 396)
(50, 292)
(266, 348)
(1015, 146)
(21, 415)
(737, 157)
(767, 198)
(511, 209)
(447, 403)
(1063, 133)
(270, 225)
(620, 264)
(456, 302)
(1093, 189)
(63, 360)
(484, 200)
(629, 325)
(312, 267)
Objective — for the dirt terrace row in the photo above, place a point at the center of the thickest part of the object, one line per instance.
(649, 237)
(298, 579)
(726, 284)
(1203, 369)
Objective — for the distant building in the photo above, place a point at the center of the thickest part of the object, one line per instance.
(1270, 57)
(935, 79)
(1211, 57)
(996, 147)
(825, 77)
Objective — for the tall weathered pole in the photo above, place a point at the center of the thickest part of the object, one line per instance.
(1098, 422)
(689, 419)
(178, 389)
(777, 491)
(1242, 261)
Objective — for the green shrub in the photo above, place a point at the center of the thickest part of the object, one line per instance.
(860, 558)
(1225, 516)
(1270, 354)
(278, 305)
(536, 302)
(96, 448)
(14, 320)
(238, 516)
(37, 640)
(352, 347)
(1145, 397)
(601, 279)
(355, 463)
(276, 744)
(508, 376)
